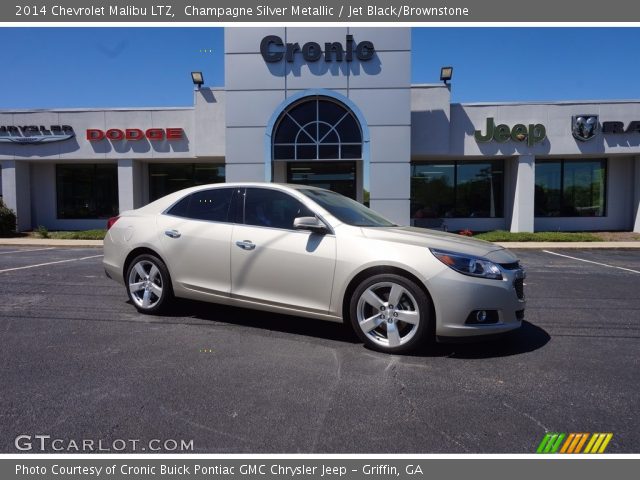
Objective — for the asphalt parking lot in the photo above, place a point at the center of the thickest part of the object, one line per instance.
(78, 362)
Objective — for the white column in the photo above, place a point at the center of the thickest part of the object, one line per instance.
(16, 191)
(389, 170)
(636, 195)
(390, 185)
(129, 184)
(244, 172)
(523, 189)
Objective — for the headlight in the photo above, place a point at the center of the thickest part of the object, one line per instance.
(468, 265)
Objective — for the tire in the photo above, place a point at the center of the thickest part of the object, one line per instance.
(149, 284)
(388, 327)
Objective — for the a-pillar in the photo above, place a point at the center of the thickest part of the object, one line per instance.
(523, 189)
(16, 191)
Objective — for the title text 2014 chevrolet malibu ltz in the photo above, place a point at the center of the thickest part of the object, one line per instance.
(310, 252)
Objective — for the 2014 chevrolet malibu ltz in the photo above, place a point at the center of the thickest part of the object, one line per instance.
(310, 252)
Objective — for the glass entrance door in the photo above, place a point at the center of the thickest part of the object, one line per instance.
(339, 177)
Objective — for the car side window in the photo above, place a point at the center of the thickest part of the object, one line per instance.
(212, 205)
(180, 209)
(264, 207)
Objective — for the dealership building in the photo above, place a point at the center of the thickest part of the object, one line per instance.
(335, 108)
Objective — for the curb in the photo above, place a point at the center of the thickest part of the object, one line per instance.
(53, 242)
(48, 242)
(566, 245)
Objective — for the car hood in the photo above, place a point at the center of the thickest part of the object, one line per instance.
(441, 240)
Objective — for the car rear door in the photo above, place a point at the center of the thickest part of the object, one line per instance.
(196, 234)
(274, 264)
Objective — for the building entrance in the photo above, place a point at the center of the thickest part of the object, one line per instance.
(340, 177)
(318, 141)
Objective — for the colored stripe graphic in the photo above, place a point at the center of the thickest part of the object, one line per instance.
(574, 443)
(550, 443)
(567, 443)
(581, 443)
(598, 443)
(577, 443)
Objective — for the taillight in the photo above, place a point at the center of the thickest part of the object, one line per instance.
(111, 222)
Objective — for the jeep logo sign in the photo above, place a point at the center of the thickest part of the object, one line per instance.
(273, 49)
(532, 133)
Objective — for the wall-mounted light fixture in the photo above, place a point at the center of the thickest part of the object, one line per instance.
(197, 78)
(445, 74)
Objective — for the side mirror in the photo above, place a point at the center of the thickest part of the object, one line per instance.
(313, 224)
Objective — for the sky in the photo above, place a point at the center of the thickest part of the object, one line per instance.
(68, 67)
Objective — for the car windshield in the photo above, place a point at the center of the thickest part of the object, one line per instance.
(347, 210)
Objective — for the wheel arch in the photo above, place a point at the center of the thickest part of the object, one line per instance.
(380, 269)
(140, 251)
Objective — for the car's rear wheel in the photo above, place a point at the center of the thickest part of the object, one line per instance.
(148, 284)
(390, 313)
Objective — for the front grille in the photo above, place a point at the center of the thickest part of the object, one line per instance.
(518, 284)
(510, 266)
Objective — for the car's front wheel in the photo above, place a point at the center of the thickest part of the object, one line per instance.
(148, 284)
(390, 313)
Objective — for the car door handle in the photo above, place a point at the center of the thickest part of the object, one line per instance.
(246, 244)
(172, 233)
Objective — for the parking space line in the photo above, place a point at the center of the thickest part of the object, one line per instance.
(29, 250)
(591, 261)
(49, 263)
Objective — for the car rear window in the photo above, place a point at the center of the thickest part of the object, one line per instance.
(211, 205)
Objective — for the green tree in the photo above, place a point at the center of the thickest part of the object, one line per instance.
(7, 220)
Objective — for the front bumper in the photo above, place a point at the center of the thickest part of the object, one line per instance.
(457, 296)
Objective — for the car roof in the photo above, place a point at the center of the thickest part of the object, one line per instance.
(163, 203)
(273, 185)
(294, 186)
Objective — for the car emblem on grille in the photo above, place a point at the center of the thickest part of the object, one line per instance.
(584, 127)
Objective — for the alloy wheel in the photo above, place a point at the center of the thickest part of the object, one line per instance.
(145, 284)
(388, 314)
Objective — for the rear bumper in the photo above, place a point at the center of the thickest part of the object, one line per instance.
(113, 272)
(113, 259)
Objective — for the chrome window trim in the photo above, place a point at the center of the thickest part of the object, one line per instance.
(302, 199)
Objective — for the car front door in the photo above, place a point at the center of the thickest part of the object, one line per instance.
(271, 262)
(195, 234)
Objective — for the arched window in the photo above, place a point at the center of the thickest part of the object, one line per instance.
(317, 128)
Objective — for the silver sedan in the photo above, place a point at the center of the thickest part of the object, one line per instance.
(310, 252)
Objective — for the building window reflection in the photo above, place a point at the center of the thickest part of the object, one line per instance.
(86, 191)
(166, 178)
(456, 189)
(570, 188)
